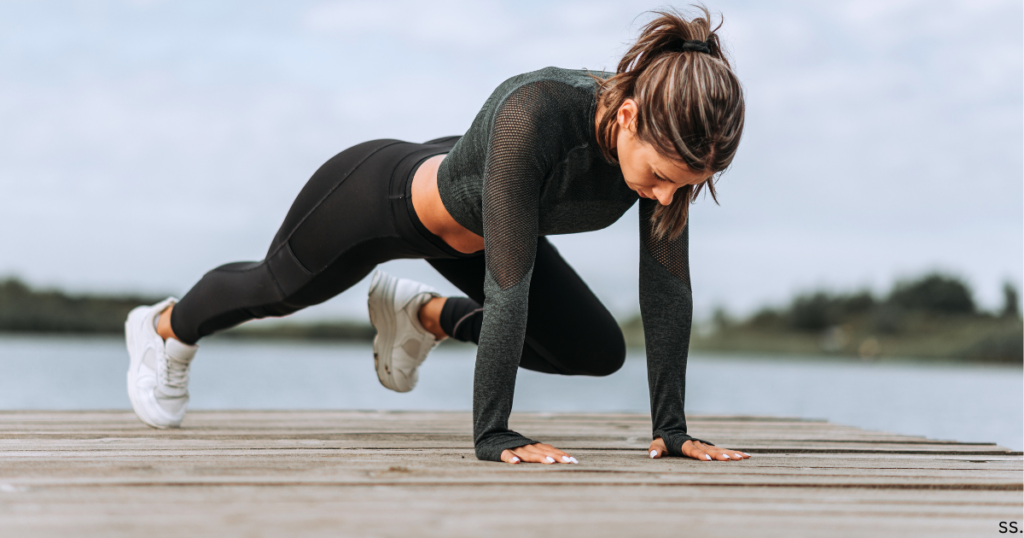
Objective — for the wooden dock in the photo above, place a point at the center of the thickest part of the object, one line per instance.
(312, 473)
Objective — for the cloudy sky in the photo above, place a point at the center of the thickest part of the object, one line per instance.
(143, 143)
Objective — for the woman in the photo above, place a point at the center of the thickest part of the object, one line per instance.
(553, 151)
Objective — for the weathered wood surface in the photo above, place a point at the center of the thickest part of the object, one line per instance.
(314, 473)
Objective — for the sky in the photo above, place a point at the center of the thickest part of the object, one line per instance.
(146, 142)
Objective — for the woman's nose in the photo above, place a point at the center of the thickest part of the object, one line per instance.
(665, 193)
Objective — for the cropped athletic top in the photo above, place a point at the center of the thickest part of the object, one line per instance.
(528, 166)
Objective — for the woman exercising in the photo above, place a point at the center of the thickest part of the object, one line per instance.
(553, 151)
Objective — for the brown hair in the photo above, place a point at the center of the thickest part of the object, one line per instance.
(690, 105)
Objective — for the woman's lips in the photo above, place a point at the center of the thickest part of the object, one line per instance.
(637, 191)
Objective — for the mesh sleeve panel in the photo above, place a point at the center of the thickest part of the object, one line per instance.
(673, 254)
(514, 172)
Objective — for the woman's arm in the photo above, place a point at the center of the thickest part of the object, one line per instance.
(666, 306)
(513, 177)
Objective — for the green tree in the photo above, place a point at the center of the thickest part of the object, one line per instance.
(1010, 301)
(936, 293)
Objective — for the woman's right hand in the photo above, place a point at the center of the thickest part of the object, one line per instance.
(536, 453)
(698, 451)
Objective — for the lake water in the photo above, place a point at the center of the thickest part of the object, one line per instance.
(941, 401)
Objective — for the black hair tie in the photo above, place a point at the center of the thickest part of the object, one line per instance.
(689, 45)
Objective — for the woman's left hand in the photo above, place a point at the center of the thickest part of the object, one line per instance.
(698, 451)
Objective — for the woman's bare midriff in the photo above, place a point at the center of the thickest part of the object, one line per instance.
(426, 201)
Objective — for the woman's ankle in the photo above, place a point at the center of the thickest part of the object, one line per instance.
(430, 317)
(163, 325)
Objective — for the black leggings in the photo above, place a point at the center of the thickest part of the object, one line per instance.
(356, 212)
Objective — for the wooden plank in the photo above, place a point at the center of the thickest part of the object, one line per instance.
(494, 511)
(352, 468)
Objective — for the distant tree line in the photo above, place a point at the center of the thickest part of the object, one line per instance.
(27, 310)
(23, 309)
(934, 316)
(933, 295)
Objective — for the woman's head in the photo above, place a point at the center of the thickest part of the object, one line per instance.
(672, 115)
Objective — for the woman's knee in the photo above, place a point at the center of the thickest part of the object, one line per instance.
(598, 354)
(608, 353)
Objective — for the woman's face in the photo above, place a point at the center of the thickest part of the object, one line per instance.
(646, 171)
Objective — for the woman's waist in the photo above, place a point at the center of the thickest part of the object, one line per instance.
(422, 205)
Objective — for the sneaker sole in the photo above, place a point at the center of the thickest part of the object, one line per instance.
(382, 318)
(134, 358)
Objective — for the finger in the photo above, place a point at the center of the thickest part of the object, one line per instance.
(546, 454)
(703, 447)
(551, 453)
(703, 451)
(508, 456)
(724, 454)
(692, 450)
(558, 455)
(657, 448)
(728, 454)
(695, 450)
(733, 455)
(540, 455)
(531, 456)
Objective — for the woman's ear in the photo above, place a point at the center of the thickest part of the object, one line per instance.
(625, 117)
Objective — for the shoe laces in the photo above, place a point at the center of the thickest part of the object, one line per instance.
(173, 373)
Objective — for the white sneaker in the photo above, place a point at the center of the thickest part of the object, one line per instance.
(401, 344)
(158, 371)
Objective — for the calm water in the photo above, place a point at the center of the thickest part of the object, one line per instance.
(966, 403)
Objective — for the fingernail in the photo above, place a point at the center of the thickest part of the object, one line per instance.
(515, 459)
(549, 459)
(747, 455)
(566, 459)
(574, 460)
(737, 456)
(726, 456)
(706, 456)
(654, 454)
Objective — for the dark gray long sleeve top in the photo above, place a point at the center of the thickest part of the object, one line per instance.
(530, 166)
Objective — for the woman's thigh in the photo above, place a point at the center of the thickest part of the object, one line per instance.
(568, 330)
(343, 204)
(340, 226)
